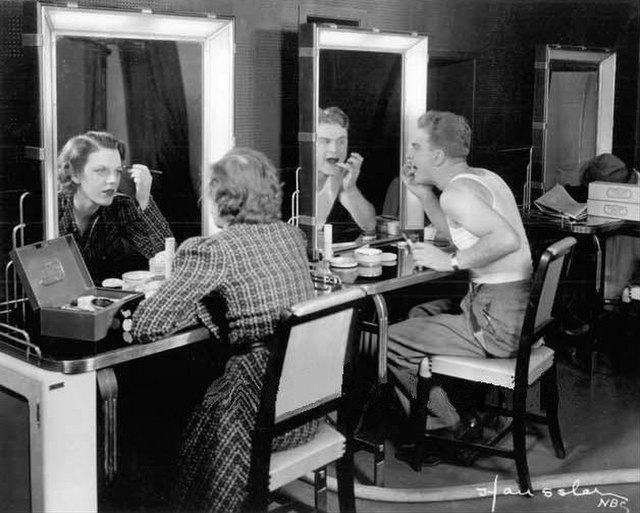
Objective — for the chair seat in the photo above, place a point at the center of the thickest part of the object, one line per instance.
(494, 371)
(287, 465)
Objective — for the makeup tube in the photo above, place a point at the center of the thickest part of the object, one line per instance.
(328, 242)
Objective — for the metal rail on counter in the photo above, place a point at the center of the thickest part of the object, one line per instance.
(16, 343)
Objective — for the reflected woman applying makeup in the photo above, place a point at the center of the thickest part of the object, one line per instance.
(115, 233)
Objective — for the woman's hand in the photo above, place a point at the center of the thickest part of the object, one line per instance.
(427, 255)
(351, 170)
(141, 176)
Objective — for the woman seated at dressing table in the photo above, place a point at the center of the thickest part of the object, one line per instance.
(235, 282)
(115, 233)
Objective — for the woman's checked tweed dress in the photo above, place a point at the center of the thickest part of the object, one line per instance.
(235, 283)
(123, 223)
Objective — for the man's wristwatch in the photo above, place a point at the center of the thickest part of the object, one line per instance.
(454, 262)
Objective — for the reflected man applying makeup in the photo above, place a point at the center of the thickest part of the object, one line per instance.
(115, 232)
(339, 200)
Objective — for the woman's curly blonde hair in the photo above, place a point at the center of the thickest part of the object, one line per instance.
(74, 154)
(246, 188)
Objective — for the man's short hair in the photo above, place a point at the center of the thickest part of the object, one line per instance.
(246, 188)
(334, 116)
(74, 154)
(447, 131)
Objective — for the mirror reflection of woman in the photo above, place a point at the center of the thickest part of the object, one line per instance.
(115, 232)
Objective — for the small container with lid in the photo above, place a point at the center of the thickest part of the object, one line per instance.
(134, 280)
(366, 256)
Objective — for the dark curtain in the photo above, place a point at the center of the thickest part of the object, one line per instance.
(158, 127)
(95, 65)
(82, 73)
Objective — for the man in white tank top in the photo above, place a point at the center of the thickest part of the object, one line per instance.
(477, 212)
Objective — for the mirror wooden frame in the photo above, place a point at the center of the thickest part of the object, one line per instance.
(313, 38)
(601, 59)
(214, 35)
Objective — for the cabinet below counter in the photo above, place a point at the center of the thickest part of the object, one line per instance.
(59, 427)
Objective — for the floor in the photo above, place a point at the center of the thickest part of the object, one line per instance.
(600, 420)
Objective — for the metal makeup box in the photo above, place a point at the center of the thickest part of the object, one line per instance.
(618, 200)
(53, 274)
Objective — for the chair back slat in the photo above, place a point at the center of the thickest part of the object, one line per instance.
(309, 355)
(548, 292)
(544, 286)
(542, 298)
(313, 364)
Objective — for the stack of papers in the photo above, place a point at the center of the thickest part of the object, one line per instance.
(558, 203)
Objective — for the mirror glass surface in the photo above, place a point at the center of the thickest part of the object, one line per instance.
(572, 122)
(378, 81)
(162, 84)
(573, 113)
(147, 94)
(367, 86)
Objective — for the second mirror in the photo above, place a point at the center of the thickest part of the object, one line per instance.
(361, 93)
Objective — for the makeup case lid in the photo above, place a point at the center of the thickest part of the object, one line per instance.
(52, 272)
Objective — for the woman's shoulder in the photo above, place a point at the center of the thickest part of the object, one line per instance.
(288, 230)
(278, 226)
(200, 242)
(276, 233)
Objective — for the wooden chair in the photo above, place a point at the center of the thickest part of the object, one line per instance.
(308, 376)
(533, 362)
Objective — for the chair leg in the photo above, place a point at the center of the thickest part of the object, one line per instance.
(551, 397)
(419, 412)
(257, 500)
(520, 449)
(345, 479)
(378, 464)
(320, 489)
(519, 434)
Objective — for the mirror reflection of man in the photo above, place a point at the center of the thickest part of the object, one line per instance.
(337, 187)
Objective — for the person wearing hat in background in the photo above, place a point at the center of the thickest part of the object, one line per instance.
(608, 168)
(622, 253)
(605, 167)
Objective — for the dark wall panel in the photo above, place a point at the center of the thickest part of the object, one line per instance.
(503, 36)
(500, 34)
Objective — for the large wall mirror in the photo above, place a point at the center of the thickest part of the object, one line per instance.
(572, 113)
(163, 84)
(361, 92)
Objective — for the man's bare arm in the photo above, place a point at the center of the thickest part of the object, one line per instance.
(360, 209)
(471, 210)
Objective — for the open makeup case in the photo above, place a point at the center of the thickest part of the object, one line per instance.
(62, 293)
